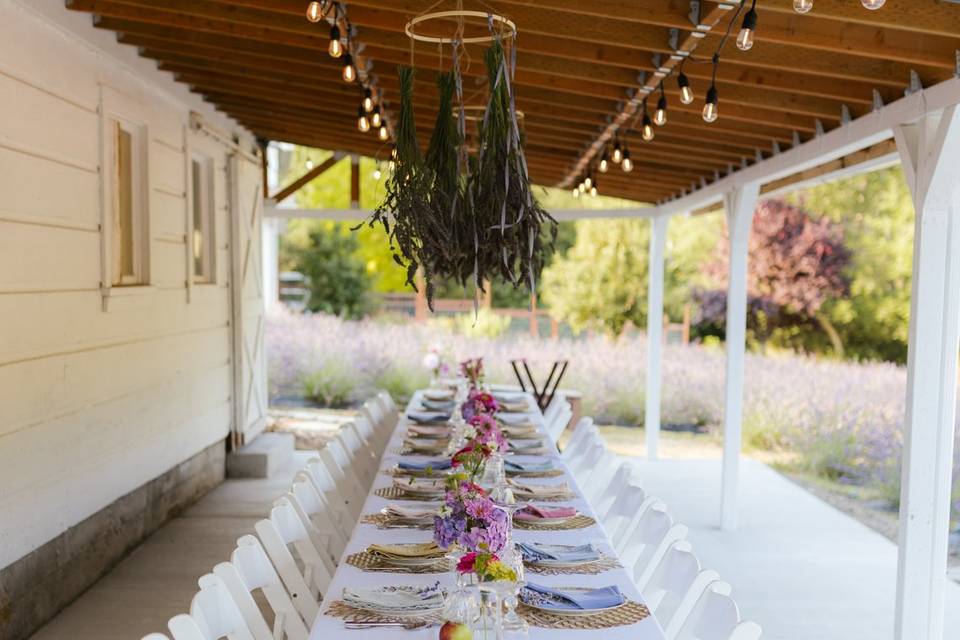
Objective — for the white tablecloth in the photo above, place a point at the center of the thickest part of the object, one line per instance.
(325, 627)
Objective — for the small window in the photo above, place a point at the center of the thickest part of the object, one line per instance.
(128, 211)
(201, 176)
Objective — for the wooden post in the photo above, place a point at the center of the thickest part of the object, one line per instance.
(420, 309)
(487, 295)
(264, 167)
(930, 155)
(354, 182)
(534, 330)
(740, 204)
(655, 320)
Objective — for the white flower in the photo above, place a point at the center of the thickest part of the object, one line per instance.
(431, 360)
(444, 511)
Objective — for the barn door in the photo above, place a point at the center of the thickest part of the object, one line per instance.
(246, 285)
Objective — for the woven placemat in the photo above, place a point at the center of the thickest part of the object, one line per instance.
(340, 609)
(605, 563)
(372, 562)
(630, 613)
(576, 522)
(384, 521)
(550, 473)
(396, 493)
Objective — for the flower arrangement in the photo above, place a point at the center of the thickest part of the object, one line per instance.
(433, 360)
(469, 518)
(472, 458)
(487, 567)
(479, 403)
(488, 432)
(472, 370)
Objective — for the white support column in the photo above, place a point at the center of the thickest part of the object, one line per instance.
(272, 228)
(651, 422)
(740, 204)
(930, 154)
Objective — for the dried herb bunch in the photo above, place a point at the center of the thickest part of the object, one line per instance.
(468, 221)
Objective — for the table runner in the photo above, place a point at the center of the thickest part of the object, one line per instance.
(366, 533)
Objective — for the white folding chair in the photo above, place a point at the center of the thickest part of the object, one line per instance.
(581, 466)
(625, 474)
(250, 569)
(628, 506)
(675, 585)
(558, 424)
(583, 431)
(155, 636)
(391, 412)
(370, 436)
(551, 410)
(183, 627)
(648, 539)
(216, 614)
(362, 457)
(326, 484)
(716, 617)
(597, 478)
(318, 517)
(305, 585)
(353, 494)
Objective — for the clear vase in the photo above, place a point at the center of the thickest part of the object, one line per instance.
(493, 473)
(461, 603)
(488, 623)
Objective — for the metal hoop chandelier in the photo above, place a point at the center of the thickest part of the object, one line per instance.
(410, 28)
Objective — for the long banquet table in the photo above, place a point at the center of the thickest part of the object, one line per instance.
(326, 626)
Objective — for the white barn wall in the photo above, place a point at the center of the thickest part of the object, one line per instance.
(95, 403)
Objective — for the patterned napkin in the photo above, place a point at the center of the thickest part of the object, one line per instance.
(568, 600)
(531, 513)
(536, 552)
(399, 599)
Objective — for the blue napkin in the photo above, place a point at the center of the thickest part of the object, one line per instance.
(540, 465)
(439, 405)
(436, 465)
(533, 552)
(427, 417)
(513, 418)
(521, 445)
(602, 598)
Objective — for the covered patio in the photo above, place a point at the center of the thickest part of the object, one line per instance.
(168, 319)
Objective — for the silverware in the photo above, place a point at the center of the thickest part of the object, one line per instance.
(411, 625)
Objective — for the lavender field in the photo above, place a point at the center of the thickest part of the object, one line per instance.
(840, 420)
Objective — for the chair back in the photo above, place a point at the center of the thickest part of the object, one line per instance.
(628, 505)
(321, 518)
(603, 501)
(584, 429)
(717, 617)
(154, 636)
(216, 613)
(183, 627)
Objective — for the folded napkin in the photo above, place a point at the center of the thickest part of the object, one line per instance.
(531, 513)
(533, 552)
(429, 417)
(520, 405)
(515, 419)
(408, 550)
(524, 445)
(602, 598)
(520, 432)
(409, 514)
(539, 490)
(395, 598)
(429, 444)
(428, 431)
(436, 465)
(528, 467)
(439, 394)
(439, 405)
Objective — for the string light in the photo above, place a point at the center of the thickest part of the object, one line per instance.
(873, 5)
(617, 152)
(627, 164)
(588, 181)
(660, 116)
(376, 173)
(376, 119)
(593, 191)
(802, 6)
(686, 93)
(646, 128)
(368, 100)
(335, 48)
(710, 109)
(604, 162)
(314, 12)
(362, 123)
(749, 27)
(383, 134)
(576, 192)
(349, 71)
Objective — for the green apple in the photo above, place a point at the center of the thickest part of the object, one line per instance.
(455, 631)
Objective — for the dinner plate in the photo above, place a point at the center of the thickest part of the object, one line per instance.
(524, 597)
(393, 611)
(439, 395)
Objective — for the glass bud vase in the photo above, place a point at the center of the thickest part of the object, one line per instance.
(488, 624)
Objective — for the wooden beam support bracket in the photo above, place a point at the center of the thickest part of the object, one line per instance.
(306, 178)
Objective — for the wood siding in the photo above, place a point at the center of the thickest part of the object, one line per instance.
(97, 399)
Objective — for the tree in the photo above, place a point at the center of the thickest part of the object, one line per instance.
(339, 283)
(796, 264)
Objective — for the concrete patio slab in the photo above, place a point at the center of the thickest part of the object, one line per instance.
(798, 566)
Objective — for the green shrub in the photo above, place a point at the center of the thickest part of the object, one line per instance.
(486, 324)
(400, 382)
(332, 385)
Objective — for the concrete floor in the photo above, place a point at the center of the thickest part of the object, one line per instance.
(159, 578)
(799, 567)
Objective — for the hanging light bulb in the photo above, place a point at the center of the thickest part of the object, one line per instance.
(604, 162)
(335, 48)
(375, 118)
(873, 5)
(384, 133)
(593, 191)
(686, 93)
(802, 6)
(617, 152)
(367, 100)
(647, 127)
(588, 181)
(576, 192)
(349, 71)
(363, 124)
(627, 163)
(660, 115)
(710, 111)
(376, 173)
(314, 12)
(582, 186)
(747, 29)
